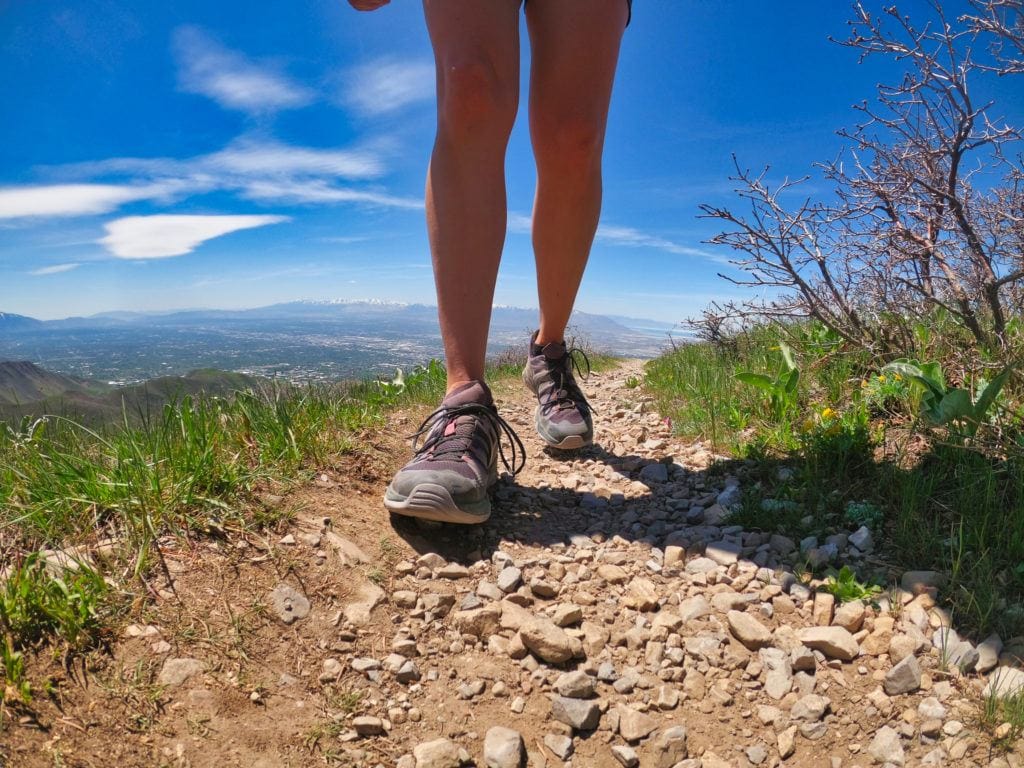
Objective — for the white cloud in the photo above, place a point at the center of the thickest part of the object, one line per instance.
(55, 269)
(634, 238)
(387, 85)
(520, 223)
(157, 237)
(74, 199)
(321, 192)
(252, 156)
(208, 68)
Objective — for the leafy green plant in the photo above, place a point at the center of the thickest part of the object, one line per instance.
(846, 588)
(943, 404)
(860, 513)
(782, 389)
(12, 663)
(632, 382)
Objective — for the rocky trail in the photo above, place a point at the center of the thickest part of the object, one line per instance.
(607, 615)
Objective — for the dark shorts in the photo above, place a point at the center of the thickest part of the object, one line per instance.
(628, 2)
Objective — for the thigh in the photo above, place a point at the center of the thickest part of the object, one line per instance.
(574, 52)
(475, 41)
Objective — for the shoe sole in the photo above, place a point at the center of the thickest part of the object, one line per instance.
(567, 443)
(430, 501)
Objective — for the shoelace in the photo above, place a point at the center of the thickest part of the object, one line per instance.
(567, 393)
(456, 444)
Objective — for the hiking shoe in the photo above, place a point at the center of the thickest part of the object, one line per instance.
(457, 463)
(563, 414)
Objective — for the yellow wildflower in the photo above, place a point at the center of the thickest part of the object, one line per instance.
(881, 377)
(828, 413)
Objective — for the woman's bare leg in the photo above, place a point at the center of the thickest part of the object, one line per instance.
(575, 49)
(476, 49)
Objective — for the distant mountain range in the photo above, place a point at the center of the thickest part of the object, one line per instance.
(299, 341)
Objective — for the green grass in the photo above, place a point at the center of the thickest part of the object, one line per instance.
(196, 465)
(857, 453)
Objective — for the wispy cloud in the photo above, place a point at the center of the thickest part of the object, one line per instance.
(231, 79)
(55, 269)
(387, 85)
(76, 199)
(322, 192)
(635, 238)
(157, 237)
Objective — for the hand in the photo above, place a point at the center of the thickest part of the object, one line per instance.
(367, 5)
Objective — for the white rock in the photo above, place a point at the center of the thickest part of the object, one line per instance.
(905, 677)
(176, 671)
(834, 642)
(886, 747)
(503, 748)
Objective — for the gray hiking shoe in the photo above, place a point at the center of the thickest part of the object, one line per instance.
(563, 414)
(457, 463)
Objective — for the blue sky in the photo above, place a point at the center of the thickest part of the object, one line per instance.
(195, 154)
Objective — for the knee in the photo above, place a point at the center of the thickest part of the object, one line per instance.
(573, 143)
(474, 100)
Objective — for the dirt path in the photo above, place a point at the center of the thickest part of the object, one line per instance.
(605, 615)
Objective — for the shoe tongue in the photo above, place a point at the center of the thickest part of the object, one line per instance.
(554, 350)
(470, 392)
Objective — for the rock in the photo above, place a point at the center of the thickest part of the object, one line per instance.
(670, 747)
(901, 646)
(176, 671)
(988, 654)
(546, 641)
(348, 551)
(787, 742)
(633, 724)
(480, 622)
(756, 754)
(824, 605)
(613, 574)
(850, 616)
(710, 760)
(916, 582)
(694, 608)
(779, 676)
(288, 604)
(452, 571)
(723, 552)
(566, 615)
(931, 708)
(748, 630)
(509, 579)
(641, 595)
(368, 726)
(654, 473)
(431, 560)
(439, 753)
(580, 714)
(367, 597)
(503, 748)
(810, 708)
(834, 642)
(701, 565)
(626, 756)
(1005, 681)
(559, 744)
(905, 677)
(861, 539)
(332, 670)
(886, 748)
(575, 685)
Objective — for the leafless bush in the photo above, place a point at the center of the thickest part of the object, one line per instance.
(927, 209)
